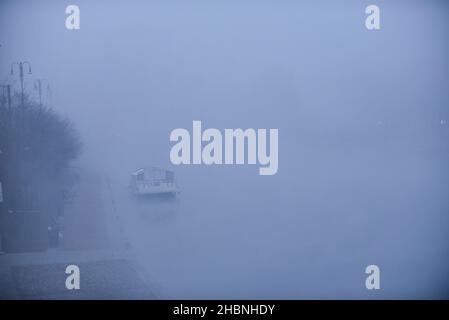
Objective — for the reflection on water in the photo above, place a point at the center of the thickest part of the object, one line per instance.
(157, 208)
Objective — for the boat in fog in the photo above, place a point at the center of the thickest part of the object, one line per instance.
(153, 181)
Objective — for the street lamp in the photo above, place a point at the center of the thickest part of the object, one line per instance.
(38, 86)
(6, 88)
(21, 65)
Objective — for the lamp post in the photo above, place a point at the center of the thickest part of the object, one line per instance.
(8, 95)
(21, 65)
(38, 86)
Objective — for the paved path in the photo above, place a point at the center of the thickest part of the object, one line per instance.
(94, 241)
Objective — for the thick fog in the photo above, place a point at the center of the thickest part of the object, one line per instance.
(363, 125)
